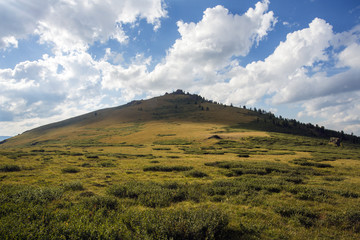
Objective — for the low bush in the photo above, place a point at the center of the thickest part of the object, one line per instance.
(27, 194)
(99, 202)
(9, 168)
(73, 186)
(93, 156)
(309, 193)
(295, 180)
(107, 164)
(193, 223)
(348, 219)
(173, 142)
(196, 174)
(167, 168)
(162, 148)
(70, 170)
(306, 216)
(150, 194)
(306, 162)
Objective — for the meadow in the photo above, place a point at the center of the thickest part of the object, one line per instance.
(179, 167)
(180, 180)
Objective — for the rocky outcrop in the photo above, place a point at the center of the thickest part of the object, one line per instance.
(336, 141)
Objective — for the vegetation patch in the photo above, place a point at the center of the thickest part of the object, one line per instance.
(107, 164)
(192, 223)
(9, 168)
(167, 168)
(161, 148)
(92, 156)
(173, 142)
(196, 174)
(306, 162)
(73, 186)
(304, 215)
(70, 170)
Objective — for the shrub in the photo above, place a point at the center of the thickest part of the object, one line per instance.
(73, 186)
(98, 202)
(196, 174)
(193, 223)
(336, 179)
(305, 162)
(150, 194)
(173, 142)
(309, 193)
(348, 194)
(9, 168)
(161, 148)
(306, 216)
(167, 168)
(107, 164)
(27, 194)
(70, 170)
(87, 194)
(295, 180)
(348, 219)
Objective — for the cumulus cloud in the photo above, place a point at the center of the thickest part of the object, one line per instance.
(207, 47)
(314, 67)
(70, 25)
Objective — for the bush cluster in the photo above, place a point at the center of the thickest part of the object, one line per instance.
(160, 168)
(9, 168)
(40, 213)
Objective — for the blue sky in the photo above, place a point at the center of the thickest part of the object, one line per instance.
(61, 58)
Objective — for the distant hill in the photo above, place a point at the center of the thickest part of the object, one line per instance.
(174, 107)
(4, 137)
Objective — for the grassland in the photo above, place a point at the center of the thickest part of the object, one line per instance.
(167, 179)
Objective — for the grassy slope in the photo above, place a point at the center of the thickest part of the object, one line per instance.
(269, 185)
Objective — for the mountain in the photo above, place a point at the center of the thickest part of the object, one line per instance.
(106, 125)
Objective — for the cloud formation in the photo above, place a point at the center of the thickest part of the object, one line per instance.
(73, 25)
(314, 67)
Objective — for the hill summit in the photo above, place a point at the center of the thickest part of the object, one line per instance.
(175, 107)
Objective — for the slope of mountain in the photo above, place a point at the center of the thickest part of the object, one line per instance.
(105, 126)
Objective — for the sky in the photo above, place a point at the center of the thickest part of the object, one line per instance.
(296, 58)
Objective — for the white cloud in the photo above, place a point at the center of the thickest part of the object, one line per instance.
(73, 25)
(207, 47)
(301, 71)
(339, 111)
(282, 68)
(314, 67)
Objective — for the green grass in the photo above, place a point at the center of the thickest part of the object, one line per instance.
(146, 185)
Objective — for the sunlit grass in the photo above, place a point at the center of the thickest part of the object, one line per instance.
(255, 185)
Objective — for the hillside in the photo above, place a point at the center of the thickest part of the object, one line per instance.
(179, 167)
(102, 126)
